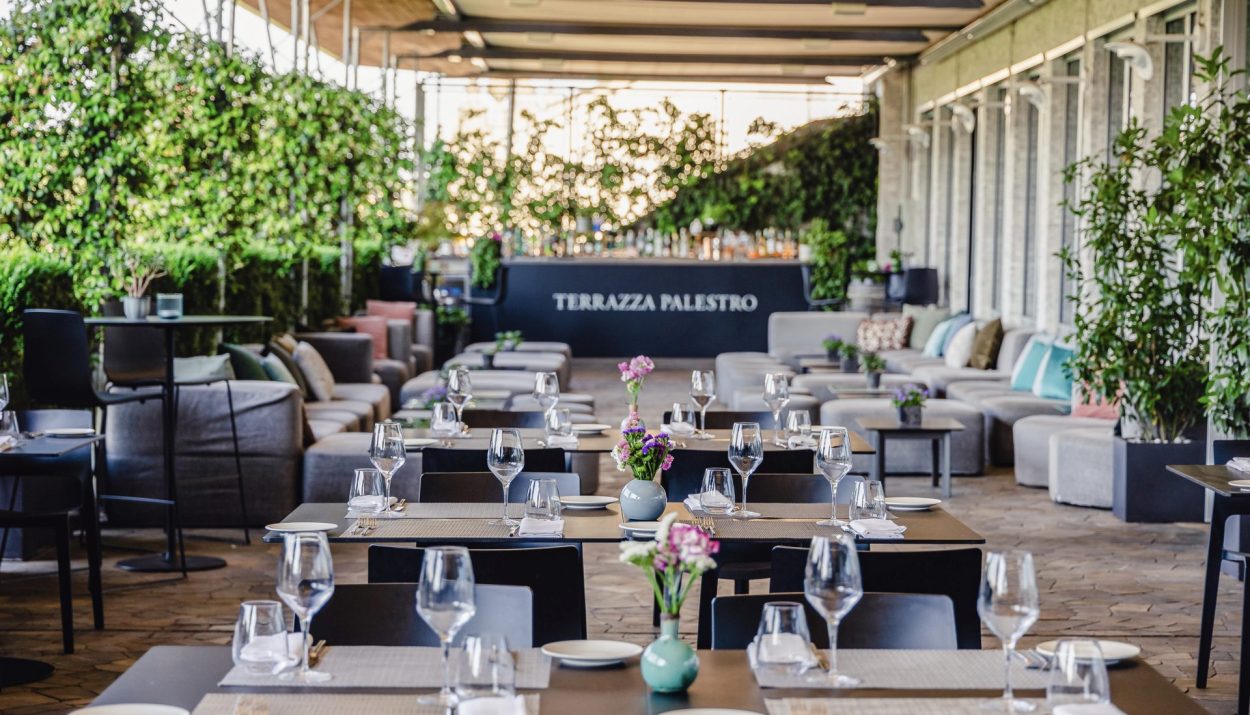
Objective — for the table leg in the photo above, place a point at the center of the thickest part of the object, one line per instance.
(91, 527)
(935, 445)
(878, 471)
(1210, 586)
(946, 465)
(1243, 679)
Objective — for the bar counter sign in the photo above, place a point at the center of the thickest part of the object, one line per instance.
(646, 302)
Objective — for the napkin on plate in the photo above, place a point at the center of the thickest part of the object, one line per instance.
(1241, 464)
(1088, 709)
(877, 529)
(562, 440)
(541, 527)
(500, 705)
(801, 442)
(694, 502)
(7, 442)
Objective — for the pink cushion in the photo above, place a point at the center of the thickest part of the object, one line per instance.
(391, 309)
(1091, 406)
(374, 326)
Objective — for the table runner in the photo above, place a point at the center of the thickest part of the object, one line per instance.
(917, 670)
(431, 529)
(447, 510)
(393, 667)
(785, 511)
(883, 706)
(769, 529)
(323, 704)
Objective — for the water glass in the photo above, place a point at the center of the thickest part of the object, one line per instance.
(833, 459)
(868, 500)
(798, 429)
(776, 396)
(703, 393)
(546, 390)
(505, 457)
(1009, 606)
(542, 502)
(558, 423)
(443, 421)
(783, 640)
(169, 305)
(746, 453)
(1079, 674)
(305, 583)
(716, 496)
(459, 392)
(388, 453)
(832, 584)
(681, 421)
(9, 426)
(260, 644)
(4, 390)
(485, 668)
(368, 492)
(445, 602)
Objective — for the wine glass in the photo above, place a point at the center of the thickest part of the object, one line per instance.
(506, 458)
(1009, 607)
(716, 497)
(703, 393)
(459, 392)
(546, 390)
(746, 452)
(776, 396)
(4, 390)
(305, 583)
(445, 602)
(388, 454)
(833, 459)
(485, 668)
(782, 640)
(868, 500)
(681, 422)
(833, 586)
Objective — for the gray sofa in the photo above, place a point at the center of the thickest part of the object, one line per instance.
(358, 401)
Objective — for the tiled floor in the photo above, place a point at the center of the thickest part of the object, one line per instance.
(1100, 578)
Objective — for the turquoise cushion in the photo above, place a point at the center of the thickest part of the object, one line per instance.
(1025, 370)
(957, 324)
(937, 339)
(1052, 381)
(277, 370)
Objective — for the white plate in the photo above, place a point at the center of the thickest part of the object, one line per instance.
(587, 502)
(591, 654)
(911, 503)
(591, 428)
(1239, 483)
(419, 442)
(640, 527)
(1112, 651)
(131, 709)
(711, 711)
(293, 526)
(70, 432)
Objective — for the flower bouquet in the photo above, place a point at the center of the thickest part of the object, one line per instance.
(644, 456)
(633, 374)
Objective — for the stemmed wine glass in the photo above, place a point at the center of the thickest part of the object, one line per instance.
(445, 602)
(546, 390)
(506, 458)
(746, 452)
(4, 390)
(833, 459)
(388, 454)
(777, 396)
(459, 392)
(833, 586)
(703, 393)
(1009, 606)
(305, 583)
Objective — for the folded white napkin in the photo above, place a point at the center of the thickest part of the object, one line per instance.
(801, 442)
(694, 502)
(281, 651)
(541, 527)
(562, 440)
(7, 442)
(1088, 709)
(878, 529)
(1241, 464)
(500, 705)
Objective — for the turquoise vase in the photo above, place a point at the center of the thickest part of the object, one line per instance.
(643, 500)
(669, 664)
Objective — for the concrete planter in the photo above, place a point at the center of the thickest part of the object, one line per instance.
(1143, 489)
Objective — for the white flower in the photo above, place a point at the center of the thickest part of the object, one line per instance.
(661, 534)
(637, 552)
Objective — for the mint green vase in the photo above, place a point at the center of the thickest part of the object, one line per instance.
(669, 664)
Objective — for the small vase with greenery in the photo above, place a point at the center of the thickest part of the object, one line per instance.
(507, 340)
(139, 272)
(872, 365)
(833, 345)
(909, 401)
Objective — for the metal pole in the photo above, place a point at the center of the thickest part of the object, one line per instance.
(355, 69)
(306, 31)
(273, 54)
(295, 33)
(234, 8)
(386, 63)
(348, 31)
(418, 138)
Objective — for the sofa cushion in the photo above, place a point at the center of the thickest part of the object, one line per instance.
(959, 350)
(293, 372)
(286, 341)
(245, 363)
(276, 370)
(1024, 372)
(1052, 381)
(800, 333)
(378, 396)
(986, 345)
(959, 322)
(937, 338)
(391, 309)
(203, 368)
(888, 334)
(1012, 347)
(939, 377)
(373, 326)
(320, 429)
(354, 415)
(316, 372)
(923, 320)
(1085, 404)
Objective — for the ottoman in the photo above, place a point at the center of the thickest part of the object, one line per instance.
(1080, 467)
(1032, 443)
(1001, 415)
(526, 346)
(906, 457)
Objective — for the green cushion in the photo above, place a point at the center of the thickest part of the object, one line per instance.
(246, 364)
(1025, 370)
(292, 368)
(1052, 381)
(937, 339)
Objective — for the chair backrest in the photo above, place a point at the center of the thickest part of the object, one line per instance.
(132, 356)
(439, 459)
(955, 573)
(1223, 450)
(56, 362)
(879, 620)
(554, 573)
(482, 487)
(480, 419)
(725, 419)
(685, 477)
(385, 614)
(398, 283)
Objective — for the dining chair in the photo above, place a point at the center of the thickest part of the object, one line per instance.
(955, 573)
(685, 477)
(485, 419)
(725, 419)
(441, 459)
(554, 573)
(56, 519)
(384, 614)
(483, 487)
(880, 620)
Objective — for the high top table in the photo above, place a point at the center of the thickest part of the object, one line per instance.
(174, 558)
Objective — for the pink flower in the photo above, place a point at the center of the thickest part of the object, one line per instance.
(668, 462)
(642, 365)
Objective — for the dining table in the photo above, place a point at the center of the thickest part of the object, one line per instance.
(183, 676)
(601, 443)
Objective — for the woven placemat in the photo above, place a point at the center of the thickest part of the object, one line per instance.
(430, 529)
(914, 670)
(446, 510)
(769, 529)
(788, 511)
(393, 667)
(883, 706)
(323, 704)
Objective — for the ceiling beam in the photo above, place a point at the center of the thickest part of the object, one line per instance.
(506, 53)
(500, 26)
(654, 77)
(909, 4)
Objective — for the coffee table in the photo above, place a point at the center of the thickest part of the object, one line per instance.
(936, 430)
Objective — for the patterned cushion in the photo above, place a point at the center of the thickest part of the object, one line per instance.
(890, 334)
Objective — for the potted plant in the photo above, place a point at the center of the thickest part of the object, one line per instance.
(644, 456)
(873, 365)
(507, 340)
(136, 280)
(833, 347)
(850, 357)
(673, 561)
(909, 401)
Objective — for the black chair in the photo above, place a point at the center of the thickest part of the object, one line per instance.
(879, 620)
(725, 419)
(439, 459)
(493, 300)
(686, 475)
(400, 283)
(486, 419)
(815, 303)
(483, 488)
(554, 573)
(955, 573)
(1237, 530)
(58, 521)
(384, 614)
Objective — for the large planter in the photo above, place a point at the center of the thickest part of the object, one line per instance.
(643, 500)
(669, 664)
(1144, 491)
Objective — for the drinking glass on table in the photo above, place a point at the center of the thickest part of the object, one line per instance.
(777, 396)
(1079, 674)
(868, 500)
(1009, 606)
(444, 422)
(716, 496)
(833, 586)
(783, 640)
(459, 392)
(558, 423)
(546, 390)
(505, 457)
(746, 453)
(388, 454)
(4, 390)
(260, 644)
(485, 668)
(368, 493)
(305, 583)
(681, 422)
(703, 393)
(833, 459)
(798, 429)
(542, 502)
(445, 602)
(9, 426)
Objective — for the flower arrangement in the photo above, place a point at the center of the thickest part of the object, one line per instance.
(507, 340)
(633, 373)
(910, 395)
(872, 362)
(643, 454)
(675, 560)
(432, 396)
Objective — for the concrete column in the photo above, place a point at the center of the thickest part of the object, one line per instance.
(892, 191)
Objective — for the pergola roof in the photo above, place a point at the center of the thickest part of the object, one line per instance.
(787, 41)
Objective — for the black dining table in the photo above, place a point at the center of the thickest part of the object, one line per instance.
(174, 558)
